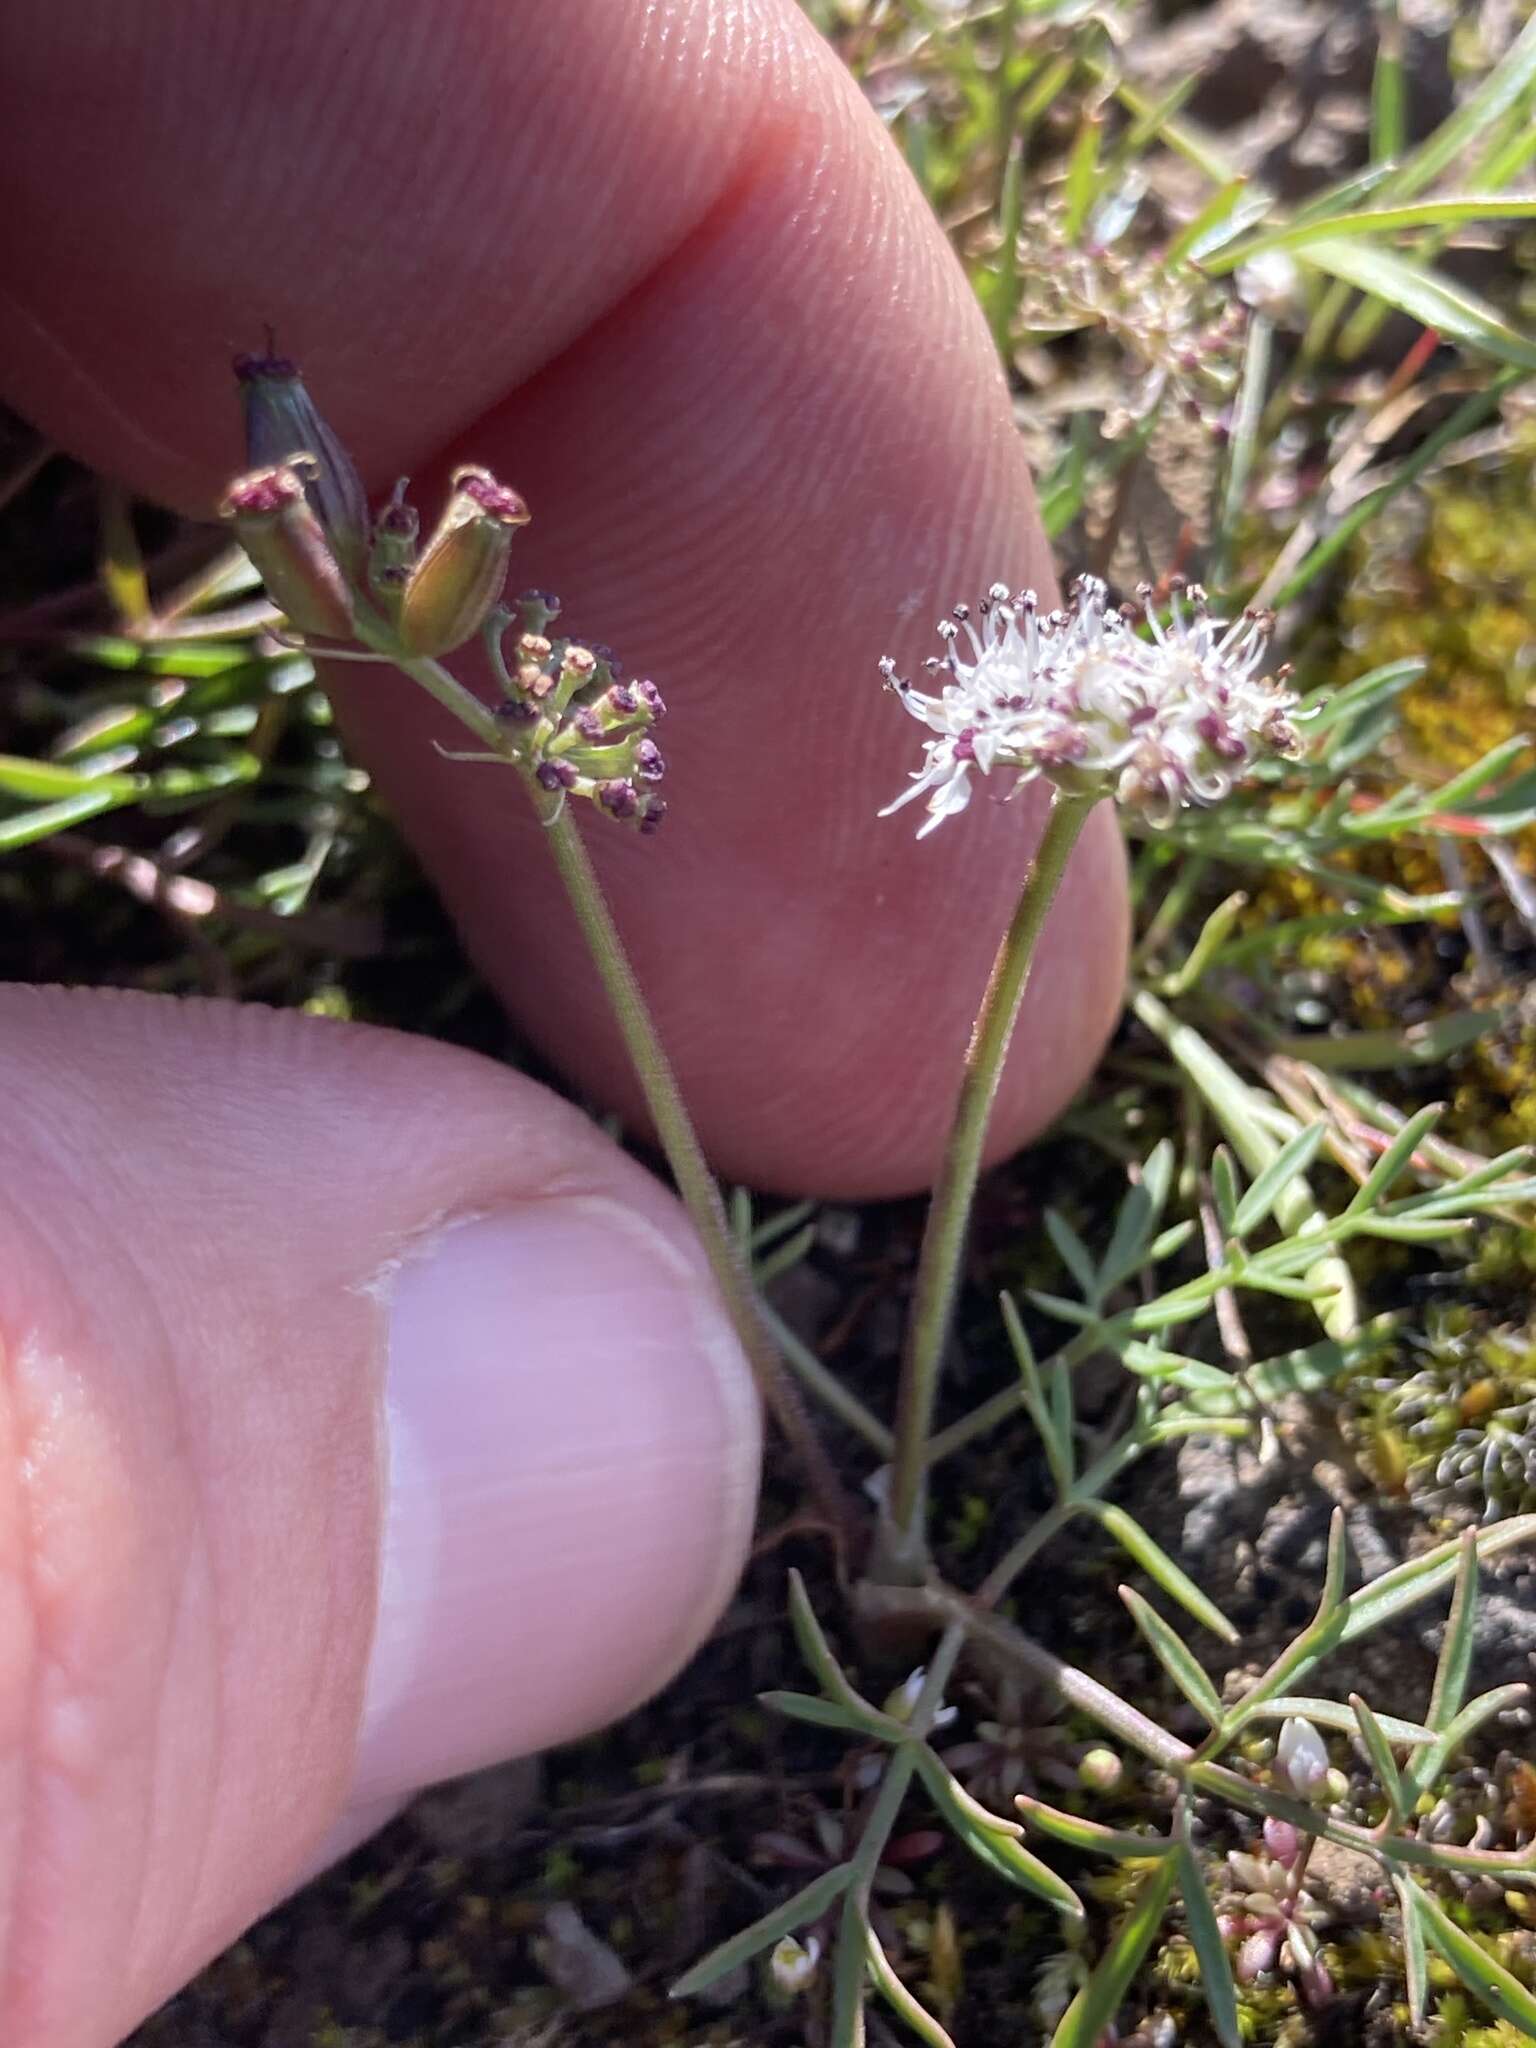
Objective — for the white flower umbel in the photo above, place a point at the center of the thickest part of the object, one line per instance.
(1081, 697)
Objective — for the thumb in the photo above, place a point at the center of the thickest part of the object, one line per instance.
(364, 1417)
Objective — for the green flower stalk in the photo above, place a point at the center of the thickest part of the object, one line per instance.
(1078, 698)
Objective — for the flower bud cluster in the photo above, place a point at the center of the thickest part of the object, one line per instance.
(301, 514)
(576, 725)
(1182, 333)
(1081, 697)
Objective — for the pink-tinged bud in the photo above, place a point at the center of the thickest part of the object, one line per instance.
(1282, 1841)
(455, 585)
(1301, 1761)
(276, 525)
(280, 423)
(392, 555)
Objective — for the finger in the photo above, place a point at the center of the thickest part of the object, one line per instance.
(662, 267)
(365, 1417)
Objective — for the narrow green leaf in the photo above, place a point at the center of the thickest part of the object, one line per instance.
(1082, 173)
(43, 820)
(1065, 1311)
(1429, 1763)
(1226, 1189)
(1094, 2008)
(1212, 937)
(1160, 1567)
(1412, 1229)
(1073, 1253)
(805, 1706)
(1288, 1164)
(817, 1652)
(1060, 1454)
(1087, 1835)
(1211, 226)
(1383, 1599)
(1415, 1961)
(850, 1969)
(1175, 1656)
(901, 2000)
(1323, 1633)
(1379, 1180)
(44, 780)
(1389, 108)
(1135, 1221)
(795, 1913)
(1379, 1750)
(1334, 1714)
(1382, 220)
(1485, 1977)
(1210, 1950)
(1510, 82)
(1472, 411)
(993, 1840)
(1454, 1664)
(1424, 295)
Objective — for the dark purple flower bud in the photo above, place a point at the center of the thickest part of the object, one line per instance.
(393, 553)
(514, 711)
(622, 701)
(588, 723)
(280, 423)
(651, 698)
(618, 797)
(648, 761)
(654, 811)
(556, 775)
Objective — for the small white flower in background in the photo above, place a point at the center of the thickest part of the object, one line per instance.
(793, 1964)
(1080, 697)
(900, 1703)
(1300, 1758)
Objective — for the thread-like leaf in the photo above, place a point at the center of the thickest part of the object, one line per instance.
(1210, 1950)
(1078, 1833)
(1160, 1567)
(1397, 1155)
(1085, 2019)
(1379, 1750)
(1288, 1164)
(1415, 1961)
(807, 1905)
(1175, 1656)
(995, 1841)
(1485, 1977)
(900, 1999)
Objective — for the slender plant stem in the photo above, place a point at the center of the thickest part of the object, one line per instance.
(696, 1185)
(949, 1215)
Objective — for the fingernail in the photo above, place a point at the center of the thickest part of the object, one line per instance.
(572, 1446)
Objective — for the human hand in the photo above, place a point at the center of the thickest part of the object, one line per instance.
(365, 1416)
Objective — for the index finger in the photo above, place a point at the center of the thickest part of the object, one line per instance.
(660, 268)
